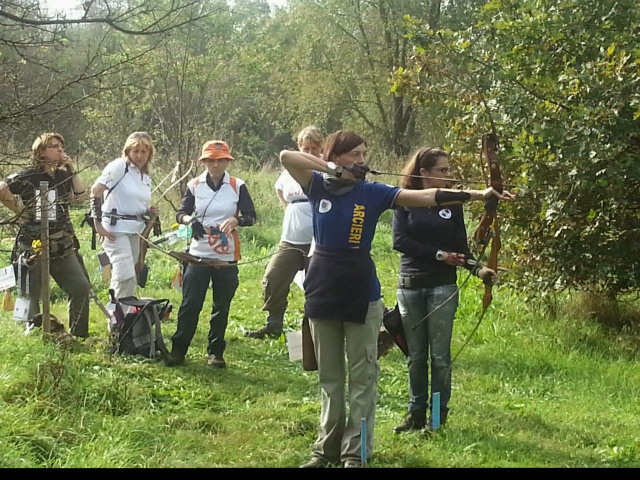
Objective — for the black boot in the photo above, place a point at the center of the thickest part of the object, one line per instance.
(266, 331)
(175, 358)
(415, 420)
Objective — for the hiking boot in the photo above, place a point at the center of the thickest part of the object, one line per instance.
(352, 464)
(265, 331)
(174, 359)
(216, 361)
(316, 462)
(412, 421)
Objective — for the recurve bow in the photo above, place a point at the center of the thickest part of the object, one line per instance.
(488, 230)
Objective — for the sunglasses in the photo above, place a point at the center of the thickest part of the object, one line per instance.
(143, 135)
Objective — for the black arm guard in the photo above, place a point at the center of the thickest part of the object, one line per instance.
(445, 197)
(472, 265)
(96, 208)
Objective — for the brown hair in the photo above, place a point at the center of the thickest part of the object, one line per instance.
(426, 158)
(342, 141)
(40, 144)
(140, 138)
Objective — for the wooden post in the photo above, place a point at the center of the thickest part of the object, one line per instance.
(44, 257)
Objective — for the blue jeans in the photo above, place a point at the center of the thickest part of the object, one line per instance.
(428, 340)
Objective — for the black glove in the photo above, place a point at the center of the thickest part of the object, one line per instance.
(357, 170)
(197, 229)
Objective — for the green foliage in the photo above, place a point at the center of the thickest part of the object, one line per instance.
(560, 82)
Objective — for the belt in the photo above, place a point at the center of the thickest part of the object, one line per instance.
(301, 200)
(416, 282)
(119, 216)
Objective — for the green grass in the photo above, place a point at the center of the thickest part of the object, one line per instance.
(528, 390)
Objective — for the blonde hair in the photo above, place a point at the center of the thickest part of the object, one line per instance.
(40, 145)
(311, 134)
(140, 138)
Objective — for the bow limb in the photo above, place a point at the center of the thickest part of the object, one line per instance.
(171, 174)
(173, 184)
(92, 291)
(176, 182)
(487, 297)
(188, 258)
(143, 244)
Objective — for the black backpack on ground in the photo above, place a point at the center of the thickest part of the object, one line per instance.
(140, 331)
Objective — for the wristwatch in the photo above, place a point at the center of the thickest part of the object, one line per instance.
(334, 169)
(440, 255)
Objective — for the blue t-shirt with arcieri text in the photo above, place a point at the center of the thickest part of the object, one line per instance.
(349, 221)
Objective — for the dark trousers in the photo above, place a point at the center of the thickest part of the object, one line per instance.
(195, 283)
(70, 277)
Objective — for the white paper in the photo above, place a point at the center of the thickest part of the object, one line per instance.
(21, 309)
(51, 194)
(294, 345)
(299, 279)
(7, 277)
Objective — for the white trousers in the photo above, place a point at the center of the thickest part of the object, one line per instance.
(123, 254)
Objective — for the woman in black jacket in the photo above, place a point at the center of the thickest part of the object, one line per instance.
(433, 243)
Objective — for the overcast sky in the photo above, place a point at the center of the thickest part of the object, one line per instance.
(68, 5)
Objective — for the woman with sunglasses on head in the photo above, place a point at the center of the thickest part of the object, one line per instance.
(51, 165)
(214, 205)
(342, 291)
(120, 206)
(433, 243)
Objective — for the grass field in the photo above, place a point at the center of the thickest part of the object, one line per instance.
(528, 390)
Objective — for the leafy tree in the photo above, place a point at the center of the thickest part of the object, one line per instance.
(342, 59)
(560, 79)
(45, 76)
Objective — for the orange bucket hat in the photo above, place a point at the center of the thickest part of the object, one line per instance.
(215, 150)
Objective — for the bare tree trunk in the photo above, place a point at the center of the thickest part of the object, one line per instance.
(434, 14)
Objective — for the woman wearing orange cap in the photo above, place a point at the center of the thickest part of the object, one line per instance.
(214, 204)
